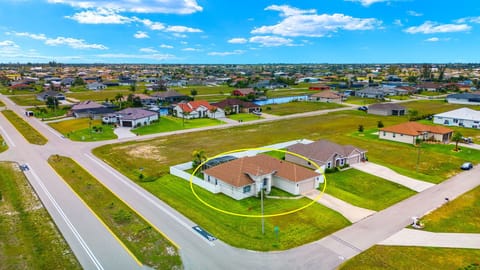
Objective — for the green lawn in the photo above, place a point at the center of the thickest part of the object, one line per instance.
(98, 95)
(28, 237)
(83, 129)
(169, 123)
(361, 101)
(296, 229)
(148, 245)
(26, 100)
(287, 92)
(2, 104)
(205, 90)
(3, 145)
(461, 215)
(434, 106)
(30, 134)
(244, 117)
(45, 113)
(418, 258)
(365, 190)
(298, 107)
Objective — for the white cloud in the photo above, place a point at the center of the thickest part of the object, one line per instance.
(271, 41)
(433, 39)
(183, 42)
(182, 29)
(191, 50)
(29, 35)
(236, 52)
(165, 46)
(178, 35)
(367, 3)
(141, 34)
(414, 13)
(398, 22)
(152, 25)
(8, 44)
(432, 27)
(238, 40)
(148, 50)
(138, 6)
(468, 19)
(155, 56)
(305, 23)
(74, 43)
(100, 16)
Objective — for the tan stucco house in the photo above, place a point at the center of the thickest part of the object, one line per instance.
(409, 132)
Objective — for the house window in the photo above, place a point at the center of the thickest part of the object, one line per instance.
(265, 182)
(309, 163)
(455, 121)
(246, 189)
(329, 165)
(342, 161)
(208, 178)
(394, 135)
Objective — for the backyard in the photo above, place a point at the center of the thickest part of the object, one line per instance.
(84, 129)
(28, 236)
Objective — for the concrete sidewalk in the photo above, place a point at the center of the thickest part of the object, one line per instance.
(411, 237)
(351, 212)
(390, 175)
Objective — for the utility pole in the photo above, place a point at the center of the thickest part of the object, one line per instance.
(263, 219)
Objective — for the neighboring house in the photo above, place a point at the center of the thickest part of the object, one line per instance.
(146, 99)
(90, 109)
(429, 86)
(319, 87)
(43, 96)
(327, 96)
(377, 93)
(242, 92)
(67, 81)
(245, 177)
(463, 117)
(131, 117)
(170, 96)
(234, 105)
(464, 98)
(325, 154)
(197, 109)
(386, 109)
(96, 86)
(409, 132)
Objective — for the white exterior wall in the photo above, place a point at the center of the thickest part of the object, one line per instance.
(218, 114)
(396, 137)
(466, 123)
(461, 101)
(379, 112)
(285, 185)
(179, 171)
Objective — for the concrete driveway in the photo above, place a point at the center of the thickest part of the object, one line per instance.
(390, 175)
(124, 132)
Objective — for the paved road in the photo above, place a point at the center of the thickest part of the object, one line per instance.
(198, 253)
(411, 237)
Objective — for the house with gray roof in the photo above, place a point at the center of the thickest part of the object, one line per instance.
(131, 117)
(464, 98)
(386, 109)
(43, 96)
(170, 96)
(463, 117)
(90, 109)
(325, 154)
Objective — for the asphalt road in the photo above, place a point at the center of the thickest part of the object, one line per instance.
(196, 251)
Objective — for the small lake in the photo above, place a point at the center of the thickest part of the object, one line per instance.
(280, 100)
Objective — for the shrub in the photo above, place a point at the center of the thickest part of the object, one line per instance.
(360, 128)
(122, 216)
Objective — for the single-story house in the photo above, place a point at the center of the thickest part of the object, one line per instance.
(96, 86)
(371, 93)
(90, 109)
(43, 96)
(464, 98)
(243, 92)
(325, 154)
(146, 99)
(319, 87)
(409, 132)
(430, 86)
(170, 96)
(463, 117)
(197, 109)
(131, 117)
(327, 96)
(245, 177)
(386, 109)
(237, 106)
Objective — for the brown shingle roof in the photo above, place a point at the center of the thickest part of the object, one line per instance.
(236, 172)
(322, 150)
(415, 129)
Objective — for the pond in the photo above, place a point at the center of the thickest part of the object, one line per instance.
(279, 100)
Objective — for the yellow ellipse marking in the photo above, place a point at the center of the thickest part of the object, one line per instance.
(258, 216)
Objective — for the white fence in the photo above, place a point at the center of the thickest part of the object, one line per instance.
(179, 170)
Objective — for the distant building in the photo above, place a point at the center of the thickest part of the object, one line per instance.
(463, 117)
(386, 109)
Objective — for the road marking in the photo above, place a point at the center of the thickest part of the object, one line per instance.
(77, 235)
(5, 134)
(101, 221)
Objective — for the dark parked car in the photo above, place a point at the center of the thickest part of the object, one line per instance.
(363, 108)
(466, 166)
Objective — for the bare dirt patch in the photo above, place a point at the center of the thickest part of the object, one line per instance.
(145, 152)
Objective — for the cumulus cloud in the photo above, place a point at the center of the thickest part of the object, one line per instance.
(138, 6)
(74, 43)
(154, 56)
(414, 13)
(433, 39)
(429, 27)
(165, 46)
(141, 34)
(100, 16)
(148, 50)
(191, 50)
(468, 19)
(28, 35)
(367, 3)
(8, 44)
(238, 40)
(235, 52)
(182, 29)
(298, 22)
(271, 41)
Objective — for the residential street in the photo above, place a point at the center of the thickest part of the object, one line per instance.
(196, 251)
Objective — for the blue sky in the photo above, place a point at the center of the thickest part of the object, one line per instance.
(243, 32)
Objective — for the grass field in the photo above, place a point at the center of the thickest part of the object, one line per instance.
(98, 95)
(419, 258)
(361, 101)
(28, 237)
(30, 134)
(148, 245)
(296, 229)
(288, 92)
(3, 145)
(244, 117)
(169, 123)
(26, 100)
(82, 129)
(45, 113)
(298, 107)
(2, 104)
(461, 215)
(205, 90)
(365, 190)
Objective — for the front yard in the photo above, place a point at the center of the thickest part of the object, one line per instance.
(84, 129)
(169, 123)
(298, 107)
(244, 117)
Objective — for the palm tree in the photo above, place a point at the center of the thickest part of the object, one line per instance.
(213, 110)
(198, 158)
(457, 137)
(119, 98)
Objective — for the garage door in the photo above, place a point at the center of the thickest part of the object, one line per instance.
(306, 186)
(127, 124)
